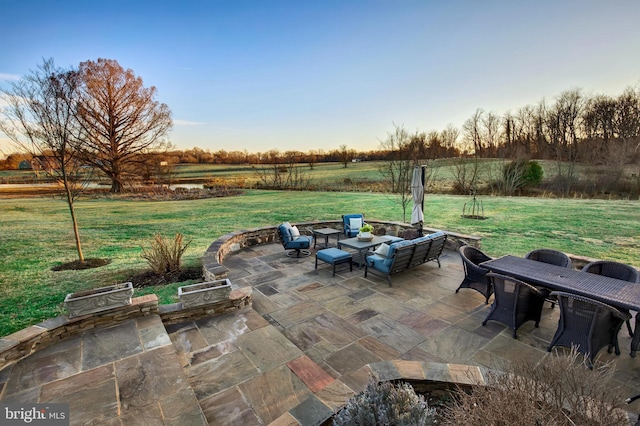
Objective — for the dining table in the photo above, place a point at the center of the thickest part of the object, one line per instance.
(620, 294)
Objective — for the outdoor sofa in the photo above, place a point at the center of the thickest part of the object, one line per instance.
(403, 255)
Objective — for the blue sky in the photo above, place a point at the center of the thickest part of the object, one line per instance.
(261, 75)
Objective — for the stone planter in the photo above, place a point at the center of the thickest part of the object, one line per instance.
(98, 299)
(204, 293)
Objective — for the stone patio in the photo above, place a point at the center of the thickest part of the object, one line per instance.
(307, 343)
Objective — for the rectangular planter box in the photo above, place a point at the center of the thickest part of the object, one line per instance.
(98, 299)
(204, 293)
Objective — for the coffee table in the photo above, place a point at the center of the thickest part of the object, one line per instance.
(326, 233)
(362, 247)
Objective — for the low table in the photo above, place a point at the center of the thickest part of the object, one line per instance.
(335, 257)
(362, 246)
(326, 233)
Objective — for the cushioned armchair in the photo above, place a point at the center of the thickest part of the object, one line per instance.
(292, 241)
(352, 223)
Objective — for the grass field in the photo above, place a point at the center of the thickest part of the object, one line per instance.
(36, 234)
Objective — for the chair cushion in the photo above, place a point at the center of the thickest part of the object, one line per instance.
(391, 238)
(392, 249)
(421, 239)
(295, 232)
(436, 234)
(355, 223)
(285, 231)
(301, 242)
(378, 262)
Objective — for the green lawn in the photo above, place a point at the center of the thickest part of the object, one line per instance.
(36, 234)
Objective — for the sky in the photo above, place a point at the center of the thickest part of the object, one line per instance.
(302, 75)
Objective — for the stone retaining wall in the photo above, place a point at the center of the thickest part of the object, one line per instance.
(37, 337)
(212, 261)
(31, 339)
(175, 313)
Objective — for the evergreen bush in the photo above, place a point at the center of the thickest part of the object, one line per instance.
(385, 403)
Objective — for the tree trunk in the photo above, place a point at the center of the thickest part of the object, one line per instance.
(76, 232)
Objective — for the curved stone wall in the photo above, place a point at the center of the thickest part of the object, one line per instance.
(212, 261)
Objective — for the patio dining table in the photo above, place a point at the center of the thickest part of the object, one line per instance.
(617, 293)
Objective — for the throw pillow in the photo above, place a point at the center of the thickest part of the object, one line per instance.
(382, 250)
(295, 232)
(355, 223)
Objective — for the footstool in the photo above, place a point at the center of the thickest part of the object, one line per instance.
(335, 257)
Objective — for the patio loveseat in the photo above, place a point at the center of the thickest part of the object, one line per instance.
(403, 255)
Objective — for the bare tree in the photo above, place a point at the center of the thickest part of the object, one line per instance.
(472, 133)
(404, 151)
(279, 171)
(39, 118)
(449, 137)
(345, 155)
(563, 123)
(120, 119)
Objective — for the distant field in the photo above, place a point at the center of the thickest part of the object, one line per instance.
(36, 234)
(357, 177)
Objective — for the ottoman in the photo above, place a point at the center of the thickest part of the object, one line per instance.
(335, 257)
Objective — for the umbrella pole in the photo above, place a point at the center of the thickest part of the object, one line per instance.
(421, 223)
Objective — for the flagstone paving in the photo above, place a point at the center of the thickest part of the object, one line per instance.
(296, 354)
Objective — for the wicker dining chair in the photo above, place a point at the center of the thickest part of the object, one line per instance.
(552, 257)
(514, 302)
(475, 276)
(611, 269)
(588, 324)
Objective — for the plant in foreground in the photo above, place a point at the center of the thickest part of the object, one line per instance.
(165, 256)
(557, 390)
(385, 403)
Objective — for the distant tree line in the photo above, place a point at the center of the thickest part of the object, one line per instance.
(573, 128)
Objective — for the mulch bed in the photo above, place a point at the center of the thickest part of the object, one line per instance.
(77, 265)
(150, 278)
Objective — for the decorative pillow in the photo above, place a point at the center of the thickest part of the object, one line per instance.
(295, 232)
(355, 223)
(382, 250)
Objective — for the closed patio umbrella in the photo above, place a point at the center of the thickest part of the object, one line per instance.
(417, 190)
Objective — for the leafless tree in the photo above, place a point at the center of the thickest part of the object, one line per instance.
(278, 171)
(345, 155)
(120, 119)
(39, 118)
(563, 123)
(472, 133)
(404, 153)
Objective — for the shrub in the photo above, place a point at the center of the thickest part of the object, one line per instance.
(557, 390)
(165, 256)
(521, 174)
(385, 404)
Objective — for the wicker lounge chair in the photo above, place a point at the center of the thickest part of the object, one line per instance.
(611, 269)
(588, 324)
(514, 302)
(552, 257)
(475, 276)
